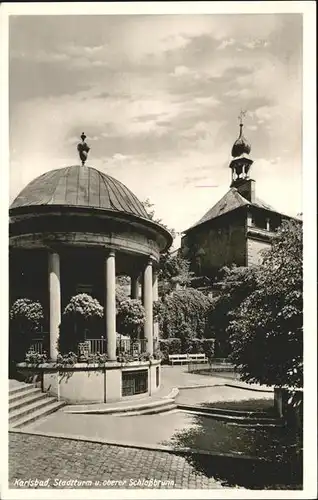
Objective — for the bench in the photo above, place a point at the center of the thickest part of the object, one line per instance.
(187, 358)
(178, 358)
(198, 357)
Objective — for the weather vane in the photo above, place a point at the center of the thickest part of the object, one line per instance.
(241, 116)
(83, 149)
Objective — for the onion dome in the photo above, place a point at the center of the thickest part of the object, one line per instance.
(241, 146)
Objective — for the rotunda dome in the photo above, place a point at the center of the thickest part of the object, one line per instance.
(80, 186)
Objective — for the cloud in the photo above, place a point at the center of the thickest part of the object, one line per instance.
(226, 43)
(158, 97)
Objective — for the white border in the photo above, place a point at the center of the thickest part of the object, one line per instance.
(308, 9)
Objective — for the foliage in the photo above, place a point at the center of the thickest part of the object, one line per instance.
(35, 358)
(68, 359)
(85, 306)
(26, 318)
(149, 207)
(121, 294)
(169, 346)
(126, 357)
(93, 358)
(174, 346)
(184, 315)
(174, 270)
(26, 314)
(204, 346)
(130, 317)
(81, 314)
(235, 285)
(266, 330)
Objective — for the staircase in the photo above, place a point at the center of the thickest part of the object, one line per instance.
(27, 403)
(235, 417)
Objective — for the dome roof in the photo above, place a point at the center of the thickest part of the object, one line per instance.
(241, 146)
(80, 186)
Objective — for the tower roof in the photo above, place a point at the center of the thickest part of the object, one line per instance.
(229, 202)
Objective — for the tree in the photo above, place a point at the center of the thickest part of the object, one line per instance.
(130, 317)
(174, 270)
(235, 284)
(267, 331)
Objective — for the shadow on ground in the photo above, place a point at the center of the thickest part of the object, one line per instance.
(255, 458)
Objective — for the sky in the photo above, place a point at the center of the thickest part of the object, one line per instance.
(159, 97)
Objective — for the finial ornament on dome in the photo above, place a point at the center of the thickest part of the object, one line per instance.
(83, 149)
(241, 116)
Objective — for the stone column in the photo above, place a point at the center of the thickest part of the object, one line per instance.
(55, 302)
(134, 287)
(268, 227)
(148, 305)
(110, 309)
(155, 297)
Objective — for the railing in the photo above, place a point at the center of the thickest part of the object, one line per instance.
(37, 345)
(94, 346)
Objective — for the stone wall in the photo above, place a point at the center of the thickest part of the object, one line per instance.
(217, 243)
(254, 249)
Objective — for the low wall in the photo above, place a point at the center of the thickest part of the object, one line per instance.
(82, 383)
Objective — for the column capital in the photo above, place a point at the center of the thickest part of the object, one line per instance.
(111, 253)
(151, 260)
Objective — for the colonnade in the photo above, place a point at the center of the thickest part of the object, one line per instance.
(149, 282)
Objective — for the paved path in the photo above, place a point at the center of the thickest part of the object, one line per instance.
(59, 460)
(66, 459)
(178, 376)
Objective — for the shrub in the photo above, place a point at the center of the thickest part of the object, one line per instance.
(26, 315)
(83, 312)
(169, 346)
(184, 314)
(26, 318)
(130, 317)
(83, 306)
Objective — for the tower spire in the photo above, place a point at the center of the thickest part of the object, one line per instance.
(240, 165)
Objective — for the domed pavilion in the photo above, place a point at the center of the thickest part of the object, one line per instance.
(73, 230)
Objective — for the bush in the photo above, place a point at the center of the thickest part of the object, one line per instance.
(26, 315)
(83, 306)
(26, 318)
(169, 346)
(130, 317)
(184, 314)
(82, 313)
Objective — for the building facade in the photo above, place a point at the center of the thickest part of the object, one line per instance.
(237, 228)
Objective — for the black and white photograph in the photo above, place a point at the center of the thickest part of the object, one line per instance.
(159, 334)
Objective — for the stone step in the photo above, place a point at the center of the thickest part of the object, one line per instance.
(36, 415)
(20, 396)
(28, 399)
(20, 389)
(29, 408)
(237, 420)
(152, 411)
(121, 408)
(224, 411)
